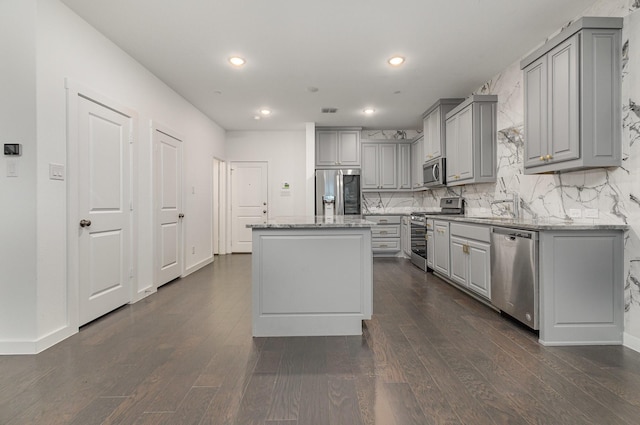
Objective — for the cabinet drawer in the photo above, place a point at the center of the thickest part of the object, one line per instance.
(385, 245)
(384, 231)
(383, 219)
(470, 231)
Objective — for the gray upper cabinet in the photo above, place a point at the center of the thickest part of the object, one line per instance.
(417, 178)
(404, 166)
(337, 148)
(383, 164)
(471, 141)
(572, 101)
(434, 128)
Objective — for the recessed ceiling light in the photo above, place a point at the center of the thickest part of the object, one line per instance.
(265, 111)
(369, 111)
(257, 117)
(236, 61)
(396, 61)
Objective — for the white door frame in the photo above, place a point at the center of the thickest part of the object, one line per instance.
(157, 127)
(75, 90)
(219, 207)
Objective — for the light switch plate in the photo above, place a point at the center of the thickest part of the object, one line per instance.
(56, 171)
(12, 168)
(575, 213)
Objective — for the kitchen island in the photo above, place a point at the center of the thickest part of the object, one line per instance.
(311, 276)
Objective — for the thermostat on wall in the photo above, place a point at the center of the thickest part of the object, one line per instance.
(12, 149)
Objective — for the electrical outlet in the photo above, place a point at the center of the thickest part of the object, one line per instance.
(591, 213)
(575, 213)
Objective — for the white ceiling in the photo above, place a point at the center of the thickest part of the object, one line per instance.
(339, 46)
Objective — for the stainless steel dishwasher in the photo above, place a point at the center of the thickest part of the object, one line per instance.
(514, 273)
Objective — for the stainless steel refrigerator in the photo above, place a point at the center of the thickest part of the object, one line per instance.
(338, 190)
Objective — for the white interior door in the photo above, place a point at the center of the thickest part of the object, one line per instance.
(248, 201)
(169, 216)
(104, 258)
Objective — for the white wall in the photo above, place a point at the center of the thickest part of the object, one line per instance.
(17, 194)
(285, 151)
(65, 46)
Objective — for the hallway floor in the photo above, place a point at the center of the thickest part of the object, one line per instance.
(430, 355)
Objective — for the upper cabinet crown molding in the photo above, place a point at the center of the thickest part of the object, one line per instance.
(572, 85)
(434, 124)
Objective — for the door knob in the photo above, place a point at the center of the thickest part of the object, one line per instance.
(264, 203)
(180, 215)
(85, 223)
(264, 211)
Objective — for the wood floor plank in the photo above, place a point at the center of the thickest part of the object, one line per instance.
(430, 355)
(404, 405)
(97, 411)
(192, 408)
(343, 401)
(285, 398)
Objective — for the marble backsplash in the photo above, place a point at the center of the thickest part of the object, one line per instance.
(613, 192)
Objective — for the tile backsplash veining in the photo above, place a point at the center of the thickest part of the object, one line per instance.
(613, 192)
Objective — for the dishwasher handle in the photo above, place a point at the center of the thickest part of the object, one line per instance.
(513, 234)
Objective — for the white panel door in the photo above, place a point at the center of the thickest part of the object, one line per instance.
(168, 198)
(104, 209)
(248, 201)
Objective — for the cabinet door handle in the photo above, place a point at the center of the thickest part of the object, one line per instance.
(541, 158)
(548, 157)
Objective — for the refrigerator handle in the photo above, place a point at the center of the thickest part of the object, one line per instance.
(339, 193)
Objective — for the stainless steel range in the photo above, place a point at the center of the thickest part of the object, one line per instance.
(418, 241)
(448, 206)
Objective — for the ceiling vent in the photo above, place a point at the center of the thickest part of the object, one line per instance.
(329, 110)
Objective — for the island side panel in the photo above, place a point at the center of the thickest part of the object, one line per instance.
(311, 281)
(581, 287)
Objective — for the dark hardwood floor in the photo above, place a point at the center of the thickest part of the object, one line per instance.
(430, 355)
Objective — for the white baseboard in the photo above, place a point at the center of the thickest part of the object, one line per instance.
(37, 346)
(631, 341)
(197, 266)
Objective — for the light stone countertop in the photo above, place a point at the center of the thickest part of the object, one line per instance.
(309, 222)
(527, 224)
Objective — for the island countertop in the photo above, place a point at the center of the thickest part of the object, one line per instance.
(309, 222)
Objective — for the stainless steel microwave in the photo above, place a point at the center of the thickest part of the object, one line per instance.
(434, 173)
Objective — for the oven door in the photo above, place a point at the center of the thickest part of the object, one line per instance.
(418, 245)
(433, 173)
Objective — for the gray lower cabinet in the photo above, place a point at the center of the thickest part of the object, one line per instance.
(385, 236)
(441, 247)
(429, 236)
(405, 239)
(581, 287)
(572, 99)
(471, 258)
(471, 141)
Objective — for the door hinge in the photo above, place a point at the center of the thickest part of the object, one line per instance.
(131, 272)
(131, 139)
(130, 205)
